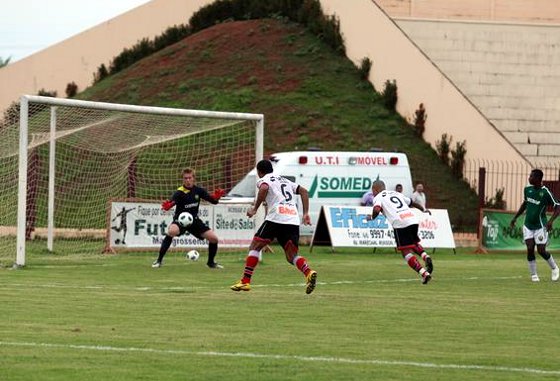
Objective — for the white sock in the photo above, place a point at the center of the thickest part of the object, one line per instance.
(551, 263)
(532, 267)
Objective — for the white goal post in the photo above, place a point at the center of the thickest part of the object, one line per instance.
(74, 156)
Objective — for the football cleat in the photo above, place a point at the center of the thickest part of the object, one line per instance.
(535, 278)
(156, 264)
(215, 265)
(311, 279)
(426, 277)
(555, 274)
(240, 286)
(429, 265)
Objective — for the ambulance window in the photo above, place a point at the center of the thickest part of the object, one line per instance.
(291, 178)
(245, 188)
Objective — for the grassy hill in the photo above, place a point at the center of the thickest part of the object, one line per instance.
(310, 96)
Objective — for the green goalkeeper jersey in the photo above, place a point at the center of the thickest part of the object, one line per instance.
(536, 201)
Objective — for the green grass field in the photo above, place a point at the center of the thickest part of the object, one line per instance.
(95, 317)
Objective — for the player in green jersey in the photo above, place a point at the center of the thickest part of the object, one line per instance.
(536, 198)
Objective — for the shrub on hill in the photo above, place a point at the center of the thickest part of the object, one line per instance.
(306, 12)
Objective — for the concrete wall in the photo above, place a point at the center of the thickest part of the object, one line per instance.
(524, 11)
(77, 58)
(368, 32)
(509, 71)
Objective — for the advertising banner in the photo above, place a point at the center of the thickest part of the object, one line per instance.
(144, 225)
(496, 233)
(347, 226)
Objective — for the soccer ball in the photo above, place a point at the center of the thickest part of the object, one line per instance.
(185, 219)
(192, 255)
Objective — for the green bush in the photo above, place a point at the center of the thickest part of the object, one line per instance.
(390, 95)
(11, 114)
(326, 28)
(101, 74)
(420, 120)
(171, 35)
(458, 159)
(4, 62)
(142, 49)
(443, 147)
(307, 12)
(71, 90)
(47, 93)
(364, 69)
(129, 56)
(496, 202)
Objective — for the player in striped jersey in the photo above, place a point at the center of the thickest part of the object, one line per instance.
(395, 207)
(282, 222)
(536, 199)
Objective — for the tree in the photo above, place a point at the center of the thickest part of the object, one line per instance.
(4, 62)
(71, 90)
(420, 120)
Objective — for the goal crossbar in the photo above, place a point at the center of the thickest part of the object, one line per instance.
(140, 109)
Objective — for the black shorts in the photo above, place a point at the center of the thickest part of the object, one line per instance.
(197, 228)
(282, 232)
(407, 237)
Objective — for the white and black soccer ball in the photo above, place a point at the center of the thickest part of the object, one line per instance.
(185, 219)
(192, 255)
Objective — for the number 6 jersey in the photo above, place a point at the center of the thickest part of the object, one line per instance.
(394, 206)
(280, 199)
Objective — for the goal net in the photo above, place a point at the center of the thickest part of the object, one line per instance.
(62, 161)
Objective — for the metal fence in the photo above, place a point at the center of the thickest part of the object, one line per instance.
(488, 177)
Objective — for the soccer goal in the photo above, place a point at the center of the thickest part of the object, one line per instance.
(62, 161)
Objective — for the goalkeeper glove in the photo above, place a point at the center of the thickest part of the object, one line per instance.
(218, 194)
(167, 204)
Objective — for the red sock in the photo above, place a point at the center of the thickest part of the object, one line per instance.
(413, 262)
(301, 264)
(250, 263)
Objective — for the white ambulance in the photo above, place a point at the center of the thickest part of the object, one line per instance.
(332, 178)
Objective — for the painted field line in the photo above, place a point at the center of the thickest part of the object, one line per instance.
(339, 360)
(10, 285)
(373, 281)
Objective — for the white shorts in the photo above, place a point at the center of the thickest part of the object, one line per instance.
(540, 235)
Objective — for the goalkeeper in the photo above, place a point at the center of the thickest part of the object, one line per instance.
(187, 199)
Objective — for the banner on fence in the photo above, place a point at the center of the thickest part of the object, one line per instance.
(497, 234)
(135, 225)
(347, 226)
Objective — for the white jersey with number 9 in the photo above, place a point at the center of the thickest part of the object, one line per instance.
(281, 199)
(395, 207)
